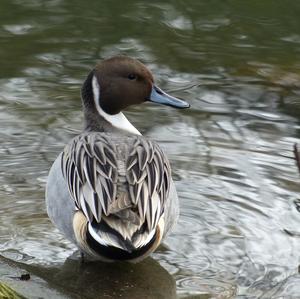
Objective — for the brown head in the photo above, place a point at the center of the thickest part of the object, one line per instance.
(119, 82)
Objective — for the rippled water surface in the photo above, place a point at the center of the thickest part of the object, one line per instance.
(238, 66)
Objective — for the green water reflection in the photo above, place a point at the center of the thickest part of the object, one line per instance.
(236, 63)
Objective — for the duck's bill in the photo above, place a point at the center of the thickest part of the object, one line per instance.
(159, 96)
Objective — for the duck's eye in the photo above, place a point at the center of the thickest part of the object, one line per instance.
(132, 77)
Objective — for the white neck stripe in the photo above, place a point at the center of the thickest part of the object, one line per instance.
(117, 120)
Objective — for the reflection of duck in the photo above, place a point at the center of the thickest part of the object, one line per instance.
(93, 280)
(147, 280)
(110, 191)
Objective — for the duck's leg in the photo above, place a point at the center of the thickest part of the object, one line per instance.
(82, 257)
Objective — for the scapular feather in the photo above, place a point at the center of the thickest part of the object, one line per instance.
(98, 183)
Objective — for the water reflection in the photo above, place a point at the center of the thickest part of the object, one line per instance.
(86, 279)
(231, 153)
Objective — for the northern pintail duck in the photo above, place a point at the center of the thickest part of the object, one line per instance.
(110, 191)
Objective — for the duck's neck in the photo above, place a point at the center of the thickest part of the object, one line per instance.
(103, 122)
(98, 120)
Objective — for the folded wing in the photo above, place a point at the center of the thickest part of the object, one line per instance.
(118, 181)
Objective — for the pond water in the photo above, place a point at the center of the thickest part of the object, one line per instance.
(238, 66)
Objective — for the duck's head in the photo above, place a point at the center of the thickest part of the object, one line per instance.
(119, 82)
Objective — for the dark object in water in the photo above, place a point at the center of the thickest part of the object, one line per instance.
(25, 276)
(297, 156)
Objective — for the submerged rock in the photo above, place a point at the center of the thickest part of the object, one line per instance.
(17, 281)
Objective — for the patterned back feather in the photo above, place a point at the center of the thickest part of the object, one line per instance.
(108, 175)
